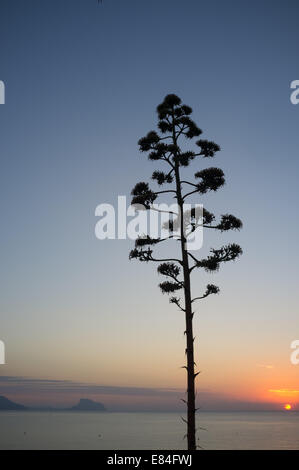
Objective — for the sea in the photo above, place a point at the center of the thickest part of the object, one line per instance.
(135, 431)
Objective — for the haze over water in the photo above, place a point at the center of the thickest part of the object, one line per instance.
(61, 430)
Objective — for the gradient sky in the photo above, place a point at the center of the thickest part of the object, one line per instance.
(82, 84)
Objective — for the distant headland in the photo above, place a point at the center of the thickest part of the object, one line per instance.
(84, 404)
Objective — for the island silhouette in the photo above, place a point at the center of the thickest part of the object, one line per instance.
(84, 404)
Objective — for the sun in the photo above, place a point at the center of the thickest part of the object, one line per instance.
(287, 407)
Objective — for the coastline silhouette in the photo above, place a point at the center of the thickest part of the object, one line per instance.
(84, 404)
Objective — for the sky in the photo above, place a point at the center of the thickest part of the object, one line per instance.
(82, 82)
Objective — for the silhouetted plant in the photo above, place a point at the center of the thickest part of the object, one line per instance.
(174, 123)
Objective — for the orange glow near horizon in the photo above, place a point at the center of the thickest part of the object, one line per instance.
(280, 395)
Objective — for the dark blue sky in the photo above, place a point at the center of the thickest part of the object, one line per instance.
(82, 83)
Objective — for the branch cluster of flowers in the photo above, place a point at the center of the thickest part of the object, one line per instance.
(174, 122)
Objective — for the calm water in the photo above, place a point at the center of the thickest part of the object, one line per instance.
(52, 430)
